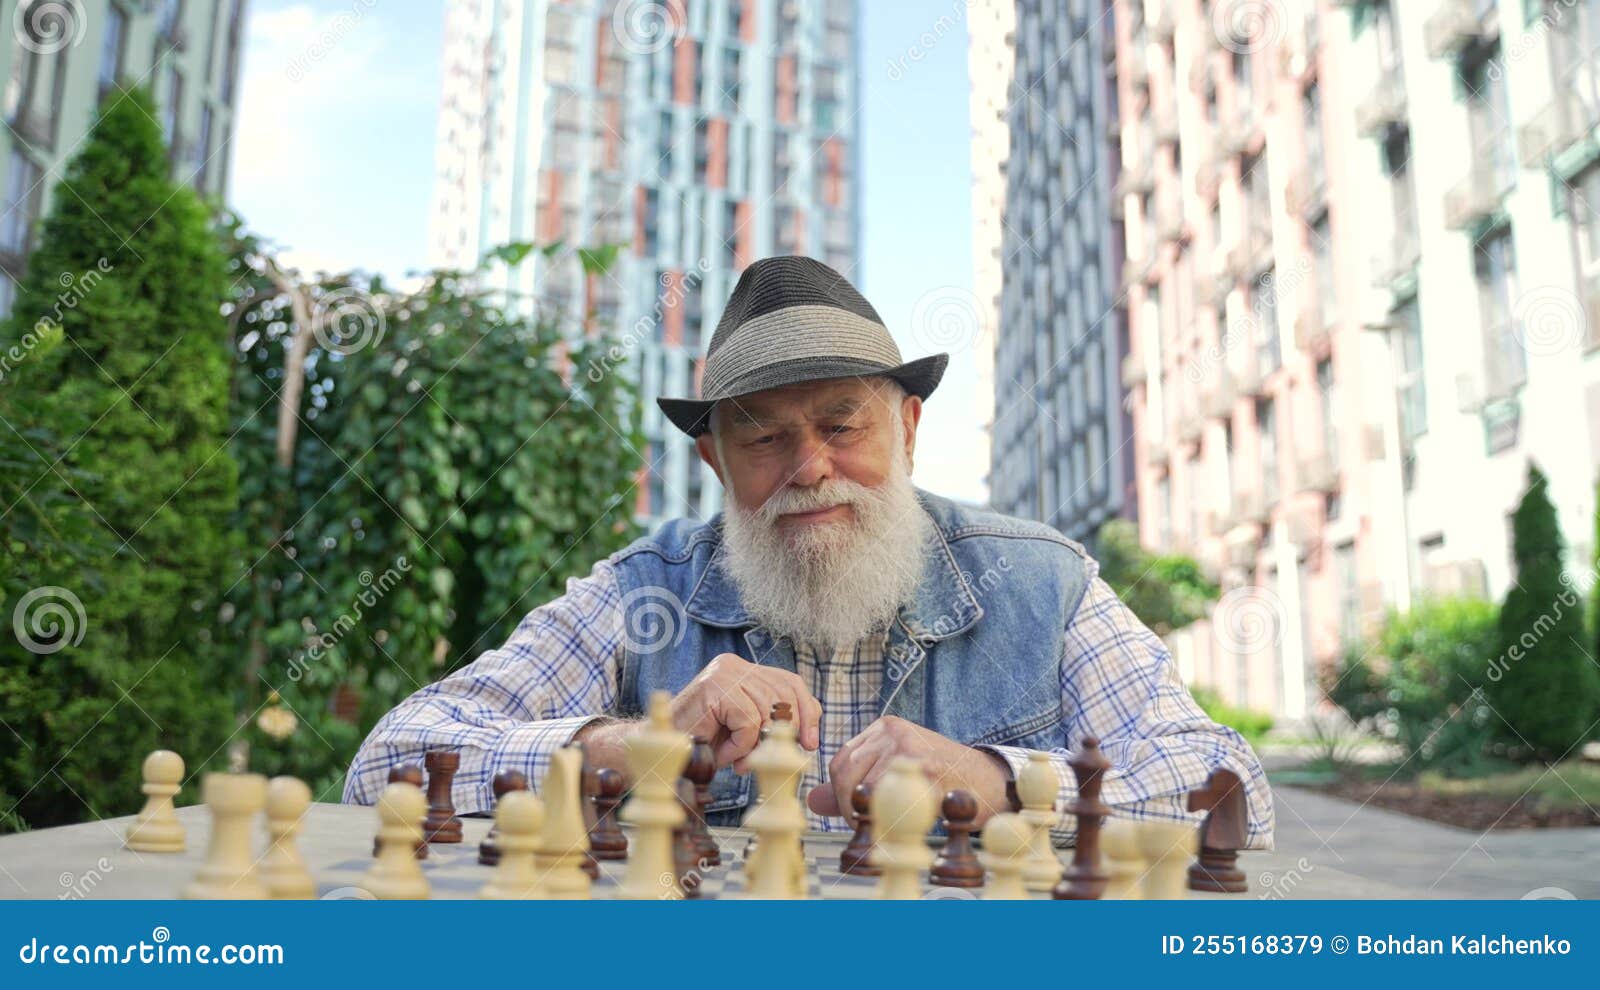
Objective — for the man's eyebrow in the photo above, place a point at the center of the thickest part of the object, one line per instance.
(843, 407)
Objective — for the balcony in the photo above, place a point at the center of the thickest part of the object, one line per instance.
(1164, 125)
(1477, 196)
(1190, 426)
(1156, 452)
(1207, 179)
(1248, 380)
(1159, 20)
(1302, 525)
(1311, 331)
(1137, 179)
(1562, 123)
(1457, 579)
(1317, 473)
(1456, 25)
(1396, 260)
(1383, 107)
(1241, 552)
(1137, 270)
(1216, 400)
(1133, 373)
(1238, 134)
(1138, 68)
(1249, 509)
(1306, 192)
(1170, 227)
(1297, 56)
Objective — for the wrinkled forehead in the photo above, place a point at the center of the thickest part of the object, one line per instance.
(834, 398)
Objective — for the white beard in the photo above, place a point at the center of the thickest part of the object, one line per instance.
(829, 584)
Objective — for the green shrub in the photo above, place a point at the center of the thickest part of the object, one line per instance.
(1166, 592)
(1253, 725)
(1420, 683)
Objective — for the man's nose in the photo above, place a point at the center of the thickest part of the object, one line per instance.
(812, 462)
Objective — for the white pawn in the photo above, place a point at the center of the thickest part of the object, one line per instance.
(777, 866)
(1124, 863)
(234, 800)
(564, 841)
(1038, 788)
(1007, 840)
(157, 829)
(396, 875)
(518, 817)
(1166, 849)
(656, 758)
(283, 869)
(905, 804)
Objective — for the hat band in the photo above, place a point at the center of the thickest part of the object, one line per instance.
(796, 333)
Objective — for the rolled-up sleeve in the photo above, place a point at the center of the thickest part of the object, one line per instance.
(512, 707)
(1120, 685)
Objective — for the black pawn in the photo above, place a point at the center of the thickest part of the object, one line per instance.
(607, 840)
(856, 857)
(685, 850)
(505, 782)
(588, 786)
(957, 865)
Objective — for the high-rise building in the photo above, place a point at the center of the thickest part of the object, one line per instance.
(1058, 449)
(59, 59)
(990, 24)
(698, 135)
(1360, 300)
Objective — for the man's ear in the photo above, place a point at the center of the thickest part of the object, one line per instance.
(707, 449)
(910, 416)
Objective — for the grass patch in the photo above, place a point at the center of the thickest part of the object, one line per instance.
(1574, 784)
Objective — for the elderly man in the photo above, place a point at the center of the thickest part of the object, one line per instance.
(892, 621)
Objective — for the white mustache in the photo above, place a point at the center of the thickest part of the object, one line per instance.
(791, 500)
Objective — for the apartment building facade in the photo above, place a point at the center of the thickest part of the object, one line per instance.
(699, 135)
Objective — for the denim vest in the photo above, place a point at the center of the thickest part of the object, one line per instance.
(976, 657)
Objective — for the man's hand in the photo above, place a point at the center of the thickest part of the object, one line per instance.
(953, 766)
(728, 702)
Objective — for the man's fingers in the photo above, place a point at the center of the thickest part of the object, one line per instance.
(740, 715)
(852, 769)
(821, 801)
(810, 715)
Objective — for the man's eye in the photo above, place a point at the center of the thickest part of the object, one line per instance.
(840, 430)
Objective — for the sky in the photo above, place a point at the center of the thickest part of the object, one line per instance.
(333, 163)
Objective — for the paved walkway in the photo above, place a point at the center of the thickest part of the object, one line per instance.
(1332, 848)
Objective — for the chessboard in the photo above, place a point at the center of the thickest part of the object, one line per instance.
(87, 861)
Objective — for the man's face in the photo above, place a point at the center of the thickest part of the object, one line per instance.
(801, 436)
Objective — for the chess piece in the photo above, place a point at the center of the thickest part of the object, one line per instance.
(563, 841)
(702, 767)
(229, 871)
(1085, 878)
(518, 820)
(1038, 787)
(505, 782)
(686, 862)
(957, 865)
(606, 839)
(1007, 841)
(157, 829)
(1222, 833)
(1166, 848)
(1124, 865)
(856, 859)
(396, 875)
(904, 806)
(656, 757)
(283, 869)
(441, 825)
(776, 870)
(587, 785)
(406, 773)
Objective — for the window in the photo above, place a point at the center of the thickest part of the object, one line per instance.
(1267, 427)
(22, 204)
(1257, 195)
(167, 21)
(651, 221)
(8, 294)
(1585, 198)
(1311, 106)
(1410, 386)
(1489, 115)
(202, 148)
(1328, 400)
(1575, 52)
(664, 125)
(111, 46)
(231, 73)
(1264, 312)
(730, 79)
(1322, 254)
(1388, 38)
(1243, 82)
(1403, 193)
(1495, 271)
(825, 80)
(730, 235)
(1344, 564)
(172, 105)
(1164, 520)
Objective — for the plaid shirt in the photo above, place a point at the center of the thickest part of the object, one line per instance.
(514, 706)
